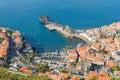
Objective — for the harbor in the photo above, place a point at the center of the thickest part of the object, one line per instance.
(66, 31)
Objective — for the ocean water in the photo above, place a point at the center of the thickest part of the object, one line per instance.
(23, 15)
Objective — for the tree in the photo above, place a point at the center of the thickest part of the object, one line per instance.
(115, 79)
(10, 32)
(115, 68)
(102, 51)
(43, 68)
(64, 71)
(1, 40)
(73, 64)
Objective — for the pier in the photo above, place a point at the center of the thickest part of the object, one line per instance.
(66, 30)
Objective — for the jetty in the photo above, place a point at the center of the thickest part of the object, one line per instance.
(66, 30)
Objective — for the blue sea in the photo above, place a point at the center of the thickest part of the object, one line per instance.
(23, 15)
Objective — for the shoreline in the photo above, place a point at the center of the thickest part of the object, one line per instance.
(66, 31)
(90, 54)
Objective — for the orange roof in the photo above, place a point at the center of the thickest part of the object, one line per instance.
(18, 39)
(41, 74)
(82, 49)
(6, 43)
(69, 66)
(107, 40)
(110, 64)
(72, 57)
(3, 28)
(82, 57)
(3, 51)
(99, 57)
(104, 78)
(96, 46)
(93, 73)
(89, 56)
(75, 78)
(72, 51)
(89, 77)
(26, 70)
(16, 33)
(103, 73)
(64, 75)
(111, 28)
(55, 77)
(2, 35)
(4, 47)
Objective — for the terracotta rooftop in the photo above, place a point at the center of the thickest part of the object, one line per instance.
(26, 70)
(64, 75)
(72, 51)
(75, 78)
(104, 78)
(110, 64)
(93, 73)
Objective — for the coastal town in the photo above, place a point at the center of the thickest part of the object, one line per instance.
(98, 60)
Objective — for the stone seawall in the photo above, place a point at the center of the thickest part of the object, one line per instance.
(66, 30)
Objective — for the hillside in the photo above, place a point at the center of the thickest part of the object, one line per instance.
(5, 75)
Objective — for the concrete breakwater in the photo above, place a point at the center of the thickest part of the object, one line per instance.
(65, 30)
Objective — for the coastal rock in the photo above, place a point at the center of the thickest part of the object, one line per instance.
(65, 30)
(68, 30)
(44, 19)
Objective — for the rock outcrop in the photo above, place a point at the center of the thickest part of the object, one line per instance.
(44, 19)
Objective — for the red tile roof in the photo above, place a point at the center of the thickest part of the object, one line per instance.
(82, 50)
(64, 75)
(26, 70)
(93, 73)
(72, 52)
(110, 64)
(103, 73)
(104, 78)
(75, 78)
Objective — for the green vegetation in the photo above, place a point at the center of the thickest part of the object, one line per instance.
(30, 57)
(43, 68)
(1, 40)
(10, 32)
(67, 47)
(73, 64)
(64, 71)
(5, 75)
(115, 68)
(115, 79)
(102, 52)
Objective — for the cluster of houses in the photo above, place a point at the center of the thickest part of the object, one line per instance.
(93, 61)
(17, 38)
(89, 62)
(10, 40)
(104, 31)
(100, 57)
(4, 45)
